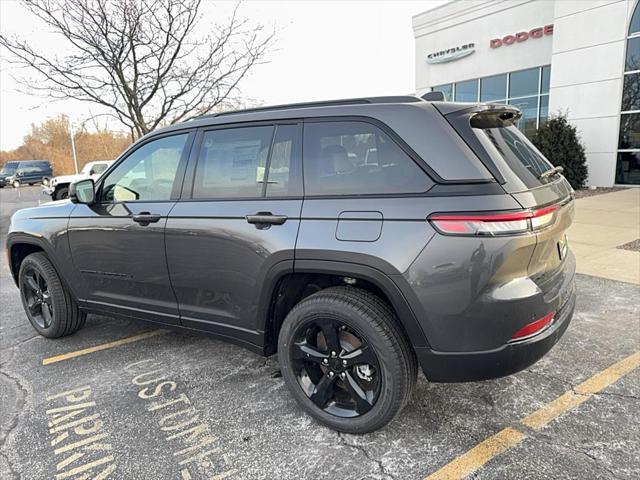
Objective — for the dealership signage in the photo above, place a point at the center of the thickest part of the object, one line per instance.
(520, 37)
(451, 54)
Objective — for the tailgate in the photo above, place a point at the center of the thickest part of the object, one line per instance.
(528, 176)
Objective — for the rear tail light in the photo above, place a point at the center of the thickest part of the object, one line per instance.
(533, 328)
(495, 223)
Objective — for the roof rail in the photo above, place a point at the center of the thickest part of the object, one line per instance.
(326, 103)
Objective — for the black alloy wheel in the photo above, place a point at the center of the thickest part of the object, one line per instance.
(336, 368)
(346, 360)
(37, 297)
(51, 309)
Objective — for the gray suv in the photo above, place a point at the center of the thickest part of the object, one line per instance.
(357, 239)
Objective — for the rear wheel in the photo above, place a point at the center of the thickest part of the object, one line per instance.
(61, 193)
(345, 359)
(46, 301)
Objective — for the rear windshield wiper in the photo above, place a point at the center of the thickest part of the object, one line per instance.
(551, 171)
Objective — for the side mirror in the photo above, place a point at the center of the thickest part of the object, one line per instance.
(19, 173)
(82, 192)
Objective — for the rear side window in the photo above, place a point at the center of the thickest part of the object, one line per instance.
(247, 162)
(509, 145)
(357, 158)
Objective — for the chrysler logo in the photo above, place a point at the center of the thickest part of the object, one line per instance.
(451, 54)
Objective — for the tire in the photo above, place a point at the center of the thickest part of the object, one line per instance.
(54, 313)
(16, 184)
(61, 193)
(391, 370)
(31, 184)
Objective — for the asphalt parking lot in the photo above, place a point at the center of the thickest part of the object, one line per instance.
(173, 405)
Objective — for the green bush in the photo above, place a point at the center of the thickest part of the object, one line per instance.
(558, 140)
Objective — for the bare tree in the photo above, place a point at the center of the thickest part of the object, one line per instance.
(141, 59)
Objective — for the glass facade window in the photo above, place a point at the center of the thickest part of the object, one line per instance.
(631, 92)
(544, 110)
(634, 26)
(524, 83)
(629, 131)
(546, 79)
(633, 55)
(527, 89)
(628, 161)
(628, 168)
(466, 91)
(528, 122)
(494, 88)
(446, 89)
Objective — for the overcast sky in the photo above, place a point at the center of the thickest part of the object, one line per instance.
(325, 50)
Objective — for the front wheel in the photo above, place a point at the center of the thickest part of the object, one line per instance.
(61, 193)
(346, 360)
(16, 184)
(46, 301)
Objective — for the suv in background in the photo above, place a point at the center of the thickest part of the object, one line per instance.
(58, 187)
(23, 172)
(357, 239)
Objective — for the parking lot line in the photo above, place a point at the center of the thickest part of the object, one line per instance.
(104, 346)
(509, 437)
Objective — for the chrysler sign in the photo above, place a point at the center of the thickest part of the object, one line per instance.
(451, 54)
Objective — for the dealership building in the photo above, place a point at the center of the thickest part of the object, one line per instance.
(578, 57)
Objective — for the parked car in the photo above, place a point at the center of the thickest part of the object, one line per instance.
(24, 172)
(270, 228)
(58, 187)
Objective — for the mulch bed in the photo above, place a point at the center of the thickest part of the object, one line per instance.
(634, 246)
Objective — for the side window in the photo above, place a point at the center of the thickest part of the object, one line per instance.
(232, 162)
(99, 168)
(148, 173)
(283, 178)
(357, 158)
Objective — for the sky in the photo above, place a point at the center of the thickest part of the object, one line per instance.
(324, 50)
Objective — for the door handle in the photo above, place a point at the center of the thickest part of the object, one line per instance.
(264, 220)
(145, 218)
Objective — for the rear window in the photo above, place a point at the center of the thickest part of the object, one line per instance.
(508, 147)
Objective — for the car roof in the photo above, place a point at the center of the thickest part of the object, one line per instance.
(342, 107)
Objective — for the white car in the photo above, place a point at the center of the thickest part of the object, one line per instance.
(58, 187)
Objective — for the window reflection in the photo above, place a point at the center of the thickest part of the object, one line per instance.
(628, 168)
(493, 89)
(529, 119)
(544, 110)
(524, 83)
(634, 27)
(446, 89)
(633, 55)
(467, 91)
(631, 92)
(546, 79)
(629, 131)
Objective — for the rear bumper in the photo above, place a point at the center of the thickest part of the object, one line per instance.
(508, 359)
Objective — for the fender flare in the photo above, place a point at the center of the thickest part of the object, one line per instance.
(390, 285)
(26, 238)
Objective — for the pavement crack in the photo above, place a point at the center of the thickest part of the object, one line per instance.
(552, 441)
(367, 455)
(6, 430)
(617, 395)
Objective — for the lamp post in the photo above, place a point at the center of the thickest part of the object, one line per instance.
(73, 148)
